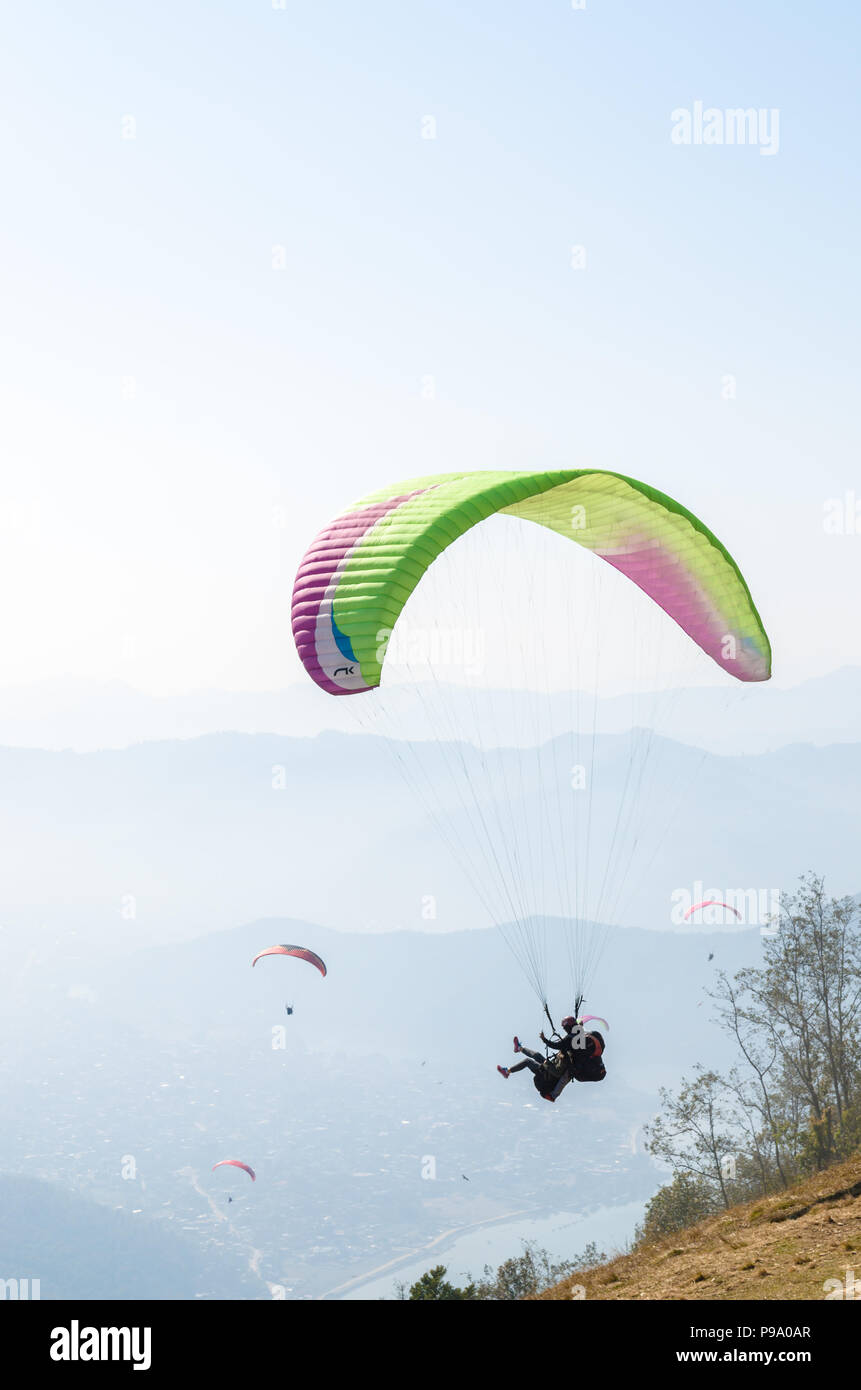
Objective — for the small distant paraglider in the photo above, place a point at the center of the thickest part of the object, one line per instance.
(298, 952)
(288, 1009)
(711, 955)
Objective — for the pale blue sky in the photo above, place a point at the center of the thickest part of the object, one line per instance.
(154, 538)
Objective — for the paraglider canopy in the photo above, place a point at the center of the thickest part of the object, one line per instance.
(300, 952)
(592, 582)
(711, 902)
(357, 574)
(594, 1018)
(235, 1163)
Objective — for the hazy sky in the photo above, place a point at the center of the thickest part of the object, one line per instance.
(232, 267)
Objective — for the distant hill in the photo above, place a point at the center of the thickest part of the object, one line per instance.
(78, 1248)
(86, 716)
(176, 839)
(772, 1249)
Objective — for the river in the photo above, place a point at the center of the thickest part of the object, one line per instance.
(564, 1235)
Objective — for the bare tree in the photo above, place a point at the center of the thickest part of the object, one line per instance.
(696, 1131)
(797, 1017)
(753, 1094)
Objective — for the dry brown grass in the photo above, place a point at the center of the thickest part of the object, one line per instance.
(780, 1247)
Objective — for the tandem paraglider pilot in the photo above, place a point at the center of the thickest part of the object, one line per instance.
(577, 1056)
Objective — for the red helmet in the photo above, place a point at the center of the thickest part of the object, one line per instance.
(569, 1024)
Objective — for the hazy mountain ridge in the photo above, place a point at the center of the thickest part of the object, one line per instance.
(174, 839)
(86, 716)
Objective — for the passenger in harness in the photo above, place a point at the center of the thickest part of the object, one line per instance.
(578, 1057)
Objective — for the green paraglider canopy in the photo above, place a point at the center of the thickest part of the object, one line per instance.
(546, 781)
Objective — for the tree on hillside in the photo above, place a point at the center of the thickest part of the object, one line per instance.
(797, 1022)
(434, 1287)
(532, 1272)
(792, 1101)
(752, 1083)
(680, 1203)
(523, 1275)
(697, 1132)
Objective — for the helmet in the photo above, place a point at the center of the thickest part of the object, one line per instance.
(569, 1024)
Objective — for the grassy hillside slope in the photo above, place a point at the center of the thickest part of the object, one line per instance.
(780, 1247)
